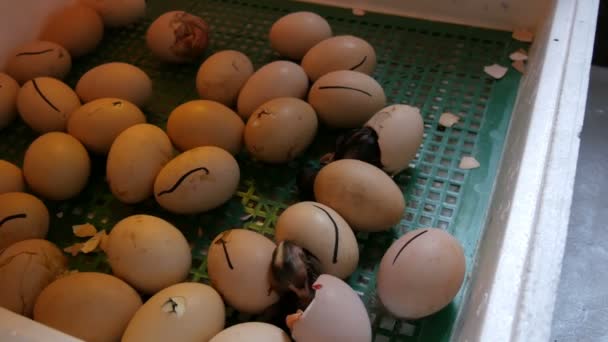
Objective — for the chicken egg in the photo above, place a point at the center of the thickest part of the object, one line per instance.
(294, 34)
(251, 332)
(22, 217)
(9, 88)
(39, 58)
(222, 75)
(11, 178)
(339, 53)
(178, 37)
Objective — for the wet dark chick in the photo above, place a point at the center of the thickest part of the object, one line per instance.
(361, 144)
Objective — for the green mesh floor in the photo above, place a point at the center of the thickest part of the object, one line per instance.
(437, 67)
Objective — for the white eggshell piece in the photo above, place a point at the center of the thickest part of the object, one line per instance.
(519, 66)
(519, 55)
(448, 119)
(468, 162)
(495, 70)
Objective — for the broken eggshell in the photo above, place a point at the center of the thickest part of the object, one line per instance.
(187, 312)
(336, 314)
(178, 37)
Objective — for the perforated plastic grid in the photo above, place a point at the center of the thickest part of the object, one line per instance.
(437, 67)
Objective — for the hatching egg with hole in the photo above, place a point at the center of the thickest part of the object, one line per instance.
(178, 37)
(339, 53)
(238, 262)
(324, 233)
(45, 104)
(135, 158)
(295, 33)
(197, 180)
(280, 130)
(26, 267)
(120, 80)
(56, 166)
(222, 75)
(273, 80)
(185, 312)
(346, 99)
(364, 195)
(148, 252)
(9, 88)
(336, 314)
(39, 58)
(421, 273)
(22, 217)
(77, 27)
(116, 13)
(205, 123)
(11, 177)
(251, 332)
(97, 123)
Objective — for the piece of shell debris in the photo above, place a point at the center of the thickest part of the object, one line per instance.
(495, 70)
(468, 162)
(84, 230)
(519, 66)
(519, 55)
(358, 12)
(91, 244)
(246, 217)
(448, 119)
(259, 223)
(105, 239)
(175, 305)
(523, 35)
(74, 249)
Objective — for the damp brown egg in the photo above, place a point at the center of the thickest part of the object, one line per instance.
(205, 123)
(364, 195)
(295, 33)
(238, 262)
(9, 88)
(339, 53)
(121, 80)
(185, 312)
(45, 104)
(280, 130)
(39, 58)
(11, 177)
(22, 217)
(97, 123)
(135, 158)
(421, 273)
(76, 27)
(346, 99)
(117, 13)
(335, 314)
(273, 80)
(92, 306)
(222, 75)
(197, 180)
(324, 233)
(27, 267)
(148, 252)
(251, 332)
(56, 166)
(178, 37)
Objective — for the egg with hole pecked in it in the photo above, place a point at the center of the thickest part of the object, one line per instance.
(178, 37)
(222, 75)
(421, 273)
(22, 217)
(294, 34)
(11, 178)
(39, 58)
(251, 332)
(9, 88)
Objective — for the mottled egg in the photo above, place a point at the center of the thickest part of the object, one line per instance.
(238, 262)
(280, 130)
(222, 75)
(120, 80)
(205, 123)
(116, 13)
(251, 332)
(9, 88)
(39, 58)
(45, 104)
(197, 180)
(56, 166)
(276, 79)
(339, 53)
(11, 177)
(22, 217)
(178, 37)
(421, 273)
(295, 33)
(346, 99)
(97, 123)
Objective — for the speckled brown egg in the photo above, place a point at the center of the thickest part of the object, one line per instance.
(178, 37)
(39, 58)
(339, 53)
(421, 273)
(205, 123)
(295, 33)
(280, 130)
(45, 104)
(9, 88)
(222, 75)
(22, 217)
(346, 99)
(11, 177)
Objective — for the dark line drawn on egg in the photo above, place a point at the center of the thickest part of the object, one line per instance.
(221, 241)
(173, 304)
(32, 53)
(344, 87)
(44, 97)
(335, 256)
(181, 179)
(407, 243)
(12, 217)
(360, 63)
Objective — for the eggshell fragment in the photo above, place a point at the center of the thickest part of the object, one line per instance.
(336, 314)
(523, 35)
(519, 66)
(178, 37)
(8, 99)
(251, 332)
(495, 70)
(39, 58)
(519, 55)
(448, 119)
(295, 33)
(222, 75)
(11, 178)
(84, 230)
(468, 162)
